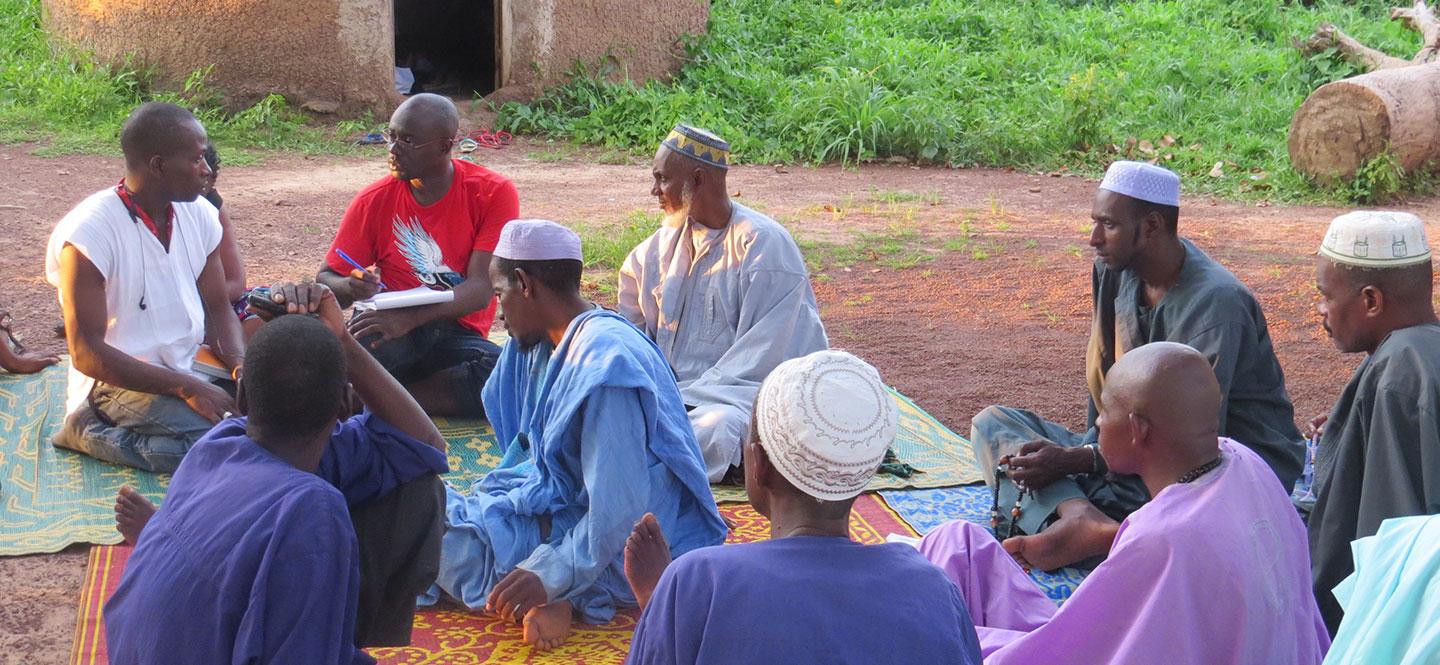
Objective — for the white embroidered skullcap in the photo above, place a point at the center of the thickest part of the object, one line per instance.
(1376, 239)
(1146, 182)
(537, 240)
(825, 421)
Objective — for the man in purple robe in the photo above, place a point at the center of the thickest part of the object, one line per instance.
(1214, 570)
(809, 594)
(253, 558)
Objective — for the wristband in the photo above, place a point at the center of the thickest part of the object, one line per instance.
(1097, 462)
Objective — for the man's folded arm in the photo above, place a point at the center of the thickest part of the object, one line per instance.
(82, 290)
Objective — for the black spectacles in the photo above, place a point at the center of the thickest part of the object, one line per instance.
(405, 142)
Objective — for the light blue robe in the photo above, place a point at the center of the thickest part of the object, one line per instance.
(1392, 600)
(596, 435)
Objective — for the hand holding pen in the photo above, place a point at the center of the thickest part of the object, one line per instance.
(364, 282)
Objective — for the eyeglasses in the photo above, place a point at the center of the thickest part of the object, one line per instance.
(391, 140)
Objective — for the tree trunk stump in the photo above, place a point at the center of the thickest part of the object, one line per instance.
(1345, 124)
(1394, 107)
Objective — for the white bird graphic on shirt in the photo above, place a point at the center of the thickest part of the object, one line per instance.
(424, 255)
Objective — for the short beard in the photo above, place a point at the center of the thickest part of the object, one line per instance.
(680, 216)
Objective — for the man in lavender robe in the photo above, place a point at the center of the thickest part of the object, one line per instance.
(1148, 284)
(809, 594)
(1214, 570)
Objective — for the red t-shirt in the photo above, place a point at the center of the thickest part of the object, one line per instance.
(416, 245)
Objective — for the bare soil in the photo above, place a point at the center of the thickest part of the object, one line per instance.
(994, 310)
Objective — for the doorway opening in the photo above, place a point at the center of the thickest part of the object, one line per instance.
(448, 47)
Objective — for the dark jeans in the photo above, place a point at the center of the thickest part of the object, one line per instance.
(150, 432)
(1001, 430)
(463, 355)
(399, 536)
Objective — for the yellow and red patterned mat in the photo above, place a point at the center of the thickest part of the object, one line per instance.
(455, 636)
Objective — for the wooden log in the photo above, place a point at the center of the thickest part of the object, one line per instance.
(1344, 124)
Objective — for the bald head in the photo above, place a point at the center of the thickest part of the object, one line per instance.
(1161, 401)
(157, 129)
(428, 116)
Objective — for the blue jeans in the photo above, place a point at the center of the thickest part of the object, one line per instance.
(146, 431)
(463, 355)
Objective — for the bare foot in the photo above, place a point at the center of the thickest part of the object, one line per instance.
(1081, 532)
(548, 626)
(23, 363)
(646, 556)
(132, 513)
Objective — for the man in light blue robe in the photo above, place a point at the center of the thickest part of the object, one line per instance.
(596, 436)
(1392, 610)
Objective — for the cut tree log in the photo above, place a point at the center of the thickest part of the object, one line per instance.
(1344, 124)
(1395, 106)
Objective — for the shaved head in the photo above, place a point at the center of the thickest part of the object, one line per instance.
(428, 116)
(1170, 384)
(157, 128)
(1161, 402)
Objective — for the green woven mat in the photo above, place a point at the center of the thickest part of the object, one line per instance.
(942, 457)
(51, 498)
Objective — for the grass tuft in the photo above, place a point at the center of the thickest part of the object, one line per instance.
(71, 102)
(1036, 84)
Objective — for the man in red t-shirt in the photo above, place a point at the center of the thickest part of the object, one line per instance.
(433, 222)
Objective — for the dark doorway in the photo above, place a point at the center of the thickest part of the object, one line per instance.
(449, 46)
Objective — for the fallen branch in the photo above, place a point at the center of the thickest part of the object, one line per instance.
(1421, 19)
(1327, 37)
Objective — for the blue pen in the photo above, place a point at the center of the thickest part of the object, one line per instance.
(357, 265)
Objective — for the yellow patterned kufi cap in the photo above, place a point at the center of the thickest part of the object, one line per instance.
(699, 144)
(825, 421)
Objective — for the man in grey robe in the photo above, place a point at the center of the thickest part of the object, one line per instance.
(723, 291)
(1379, 452)
(1148, 285)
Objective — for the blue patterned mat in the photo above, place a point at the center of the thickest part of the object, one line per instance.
(929, 508)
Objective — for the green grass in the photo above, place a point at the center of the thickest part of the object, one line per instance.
(71, 102)
(606, 244)
(1034, 84)
(1029, 83)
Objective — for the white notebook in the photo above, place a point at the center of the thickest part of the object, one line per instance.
(408, 298)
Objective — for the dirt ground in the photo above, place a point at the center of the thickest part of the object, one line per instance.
(964, 287)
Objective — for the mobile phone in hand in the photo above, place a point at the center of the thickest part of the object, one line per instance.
(261, 301)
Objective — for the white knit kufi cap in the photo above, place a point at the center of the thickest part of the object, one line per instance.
(1376, 239)
(1146, 182)
(537, 240)
(825, 421)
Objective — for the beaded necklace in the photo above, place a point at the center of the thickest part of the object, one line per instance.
(1195, 473)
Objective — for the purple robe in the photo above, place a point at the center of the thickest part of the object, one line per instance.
(250, 559)
(805, 599)
(1211, 572)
